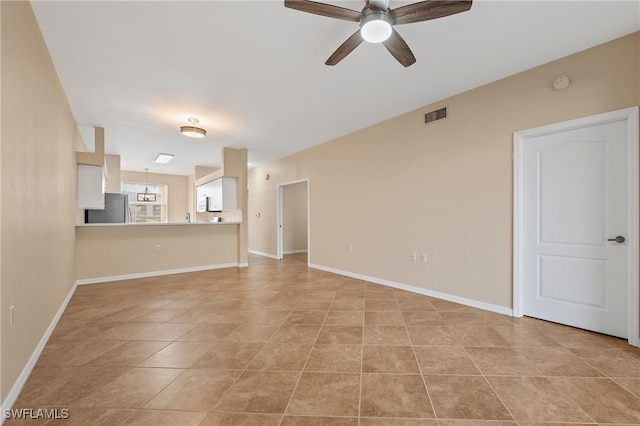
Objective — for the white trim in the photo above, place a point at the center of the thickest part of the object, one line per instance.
(155, 273)
(243, 265)
(263, 254)
(630, 115)
(444, 296)
(13, 394)
(279, 208)
(295, 251)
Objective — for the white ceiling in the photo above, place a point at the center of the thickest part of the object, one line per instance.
(253, 71)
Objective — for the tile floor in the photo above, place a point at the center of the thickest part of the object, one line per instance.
(280, 344)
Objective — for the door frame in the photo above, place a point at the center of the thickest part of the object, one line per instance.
(630, 115)
(279, 210)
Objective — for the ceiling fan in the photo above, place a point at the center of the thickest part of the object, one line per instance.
(377, 20)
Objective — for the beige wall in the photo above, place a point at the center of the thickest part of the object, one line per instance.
(113, 173)
(38, 190)
(444, 189)
(178, 191)
(131, 249)
(294, 218)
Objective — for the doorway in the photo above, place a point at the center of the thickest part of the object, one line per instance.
(576, 223)
(293, 218)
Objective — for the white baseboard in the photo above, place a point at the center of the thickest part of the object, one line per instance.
(13, 394)
(425, 292)
(295, 251)
(85, 281)
(259, 253)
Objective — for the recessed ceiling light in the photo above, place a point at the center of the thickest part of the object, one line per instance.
(193, 129)
(163, 158)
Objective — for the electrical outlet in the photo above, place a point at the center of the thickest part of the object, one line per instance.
(11, 315)
(414, 256)
(157, 247)
(349, 248)
(423, 257)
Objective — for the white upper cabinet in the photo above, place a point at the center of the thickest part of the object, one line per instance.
(91, 187)
(217, 195)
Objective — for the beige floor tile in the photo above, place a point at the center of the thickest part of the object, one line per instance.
(381, 305)
(559, 362)
(376, 421)
(612, 362)
(416, 303)
(428, 318)
(339, 334)
(130, 353)
(479, 336)
(432, 335)
(241, 337)
(326, 394)
(259, 392)
(394, 395)
(167, 332)
(502, 361)
(178, 355)
(335, 358)
(165, 418)
(208, 332)
(389, 359)
(383, 318)
(306, 317)
(386, 335)
(132, 389)
(344, 318)
(536, 399)
(236, 419)
(78, 416)
(632, 385)
(126, 331)
(76, 352)
(319, 421)
(229, 355)
(296, 333)
(444, 360)
(604, 400)
(465, 397)
(196, 389)
(281, 356)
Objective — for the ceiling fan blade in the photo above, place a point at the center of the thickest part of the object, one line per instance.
(429, 9)
(345, 48)
(324, 9)
(396, 45)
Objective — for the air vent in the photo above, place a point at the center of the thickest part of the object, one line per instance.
(438, 114)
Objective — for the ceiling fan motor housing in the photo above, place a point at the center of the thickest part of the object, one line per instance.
(375, 25)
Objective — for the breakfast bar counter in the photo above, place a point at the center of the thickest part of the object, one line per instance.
(118, 251)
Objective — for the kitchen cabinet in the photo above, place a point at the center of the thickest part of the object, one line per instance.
(91, 187)
(217, 195)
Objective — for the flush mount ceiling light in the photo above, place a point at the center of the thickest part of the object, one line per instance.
(163, 158)
(193, 130)
(146, 196)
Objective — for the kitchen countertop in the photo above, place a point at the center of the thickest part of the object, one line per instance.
(83, 225)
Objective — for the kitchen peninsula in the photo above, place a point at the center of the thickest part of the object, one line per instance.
(117, 251)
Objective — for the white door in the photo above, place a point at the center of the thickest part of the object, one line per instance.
(575, 204)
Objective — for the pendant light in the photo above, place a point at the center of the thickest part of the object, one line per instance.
(193, 129)
(146, 196)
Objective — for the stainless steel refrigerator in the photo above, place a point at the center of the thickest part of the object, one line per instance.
(116, 210)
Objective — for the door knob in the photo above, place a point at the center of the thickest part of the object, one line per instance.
(619, 239)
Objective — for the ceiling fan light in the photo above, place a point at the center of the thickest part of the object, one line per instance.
(193, 130)
(376, 27)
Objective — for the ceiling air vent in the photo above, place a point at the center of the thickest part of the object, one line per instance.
(438, 114)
